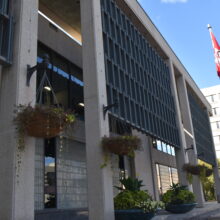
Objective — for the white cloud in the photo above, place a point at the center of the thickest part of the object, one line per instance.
(174, 1)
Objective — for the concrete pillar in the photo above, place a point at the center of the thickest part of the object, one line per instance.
(189, 136)
(143, 164)
(100, 189)
(181, 157)
(217, 182)
(17, 186)
(215, 169)
(0, 75)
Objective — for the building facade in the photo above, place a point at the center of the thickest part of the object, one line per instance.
(212, 94)
(100, 52)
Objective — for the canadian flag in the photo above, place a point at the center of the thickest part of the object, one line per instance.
(216, 48)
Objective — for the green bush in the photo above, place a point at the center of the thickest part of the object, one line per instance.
(124, 200)
(178, 195)
(136, 200)
(132, 197)
(130, 184)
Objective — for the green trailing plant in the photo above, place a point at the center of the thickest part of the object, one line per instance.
(150, 206)
(38, 121)
(132, 197)
(178, 194)
(201, 171)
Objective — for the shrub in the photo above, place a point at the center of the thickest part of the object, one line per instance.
(178, 195)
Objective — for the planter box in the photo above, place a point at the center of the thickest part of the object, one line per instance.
(133, 214)
(180, 208)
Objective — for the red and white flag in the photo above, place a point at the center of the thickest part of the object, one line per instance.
(216, 48)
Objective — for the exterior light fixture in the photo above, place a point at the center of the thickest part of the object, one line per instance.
(81, 104)
(47, 88)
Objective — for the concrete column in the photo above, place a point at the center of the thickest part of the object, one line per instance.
(181, 157)
(189, 136)
(100, 188)
(143, 163)
(217, 182)
(215, 168)
(0, 75)
(17, 186)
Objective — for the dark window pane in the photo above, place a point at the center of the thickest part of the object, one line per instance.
(50, 174)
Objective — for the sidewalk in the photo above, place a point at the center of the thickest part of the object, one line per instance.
(211, 211)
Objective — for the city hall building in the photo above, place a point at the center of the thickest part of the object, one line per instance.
(101, 52)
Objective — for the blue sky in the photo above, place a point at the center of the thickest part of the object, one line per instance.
(183, 23)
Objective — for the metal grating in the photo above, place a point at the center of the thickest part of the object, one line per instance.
(4, 7)
(202, 131)
(6, 33)
(137, 77)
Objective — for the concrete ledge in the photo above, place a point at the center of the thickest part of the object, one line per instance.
(211, 210)
(59, 214)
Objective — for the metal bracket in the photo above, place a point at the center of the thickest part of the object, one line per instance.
(107, 107)
(40, 66)
(189, 148)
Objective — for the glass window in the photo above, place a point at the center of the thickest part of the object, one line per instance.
(173, 151)
(66, 80)
(166, 176)
(217, 139)
(216, 111)
(209, 98)
(50, 174)
(164, 147)
(214, 125)
(169, 149)
(215, 98)
(159, 147)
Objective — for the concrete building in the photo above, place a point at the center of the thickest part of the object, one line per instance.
(99, 51)
(212, 94)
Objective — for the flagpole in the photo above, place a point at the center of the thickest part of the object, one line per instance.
(214, 47)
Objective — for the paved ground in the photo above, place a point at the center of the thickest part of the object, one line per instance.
(211, 211)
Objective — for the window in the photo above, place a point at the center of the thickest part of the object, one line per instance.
(215, 98)
(217, 139)
(164, 147)
(166, 176)
(6, 32)
(159, 147)
(66, 80)
(173, 151)
(216, 111)
(211, 98)
(169, 149)
(50, 174)
(215, 125)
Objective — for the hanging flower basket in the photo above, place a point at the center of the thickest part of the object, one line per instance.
(42, 121)
(121, 145)
(199, 170)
